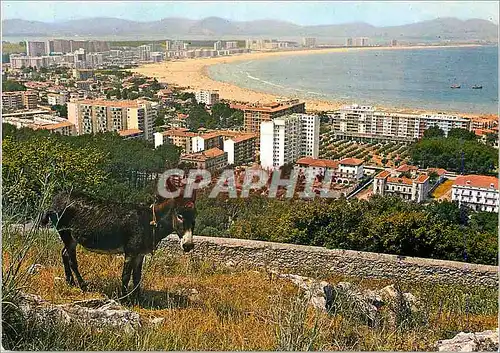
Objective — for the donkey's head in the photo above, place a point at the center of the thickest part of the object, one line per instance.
(182, 213)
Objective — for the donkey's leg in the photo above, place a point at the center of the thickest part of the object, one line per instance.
(67, 269)
(137, 275)
(127, 270)
(70, 246)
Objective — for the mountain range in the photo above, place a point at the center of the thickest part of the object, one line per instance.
(212, 27)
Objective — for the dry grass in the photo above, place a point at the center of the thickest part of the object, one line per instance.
(211, 307)
(443, 189)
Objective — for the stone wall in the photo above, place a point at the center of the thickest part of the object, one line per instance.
(319, 262)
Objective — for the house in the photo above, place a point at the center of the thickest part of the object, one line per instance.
(411, 189)
(344, 171)
(212, 160)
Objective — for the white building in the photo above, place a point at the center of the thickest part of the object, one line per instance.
(144, 52)
(57, 98)
(218, 45)
(36, 48)
(344, 171)
(478, 192)
(411, 189)
(207, 97)
(232, 45)
(285, 139)
(366, 122)
(309, 42)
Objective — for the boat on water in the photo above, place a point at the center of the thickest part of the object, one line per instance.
(455, 86)
(477, 87)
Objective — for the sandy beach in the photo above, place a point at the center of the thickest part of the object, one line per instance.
(193, 74)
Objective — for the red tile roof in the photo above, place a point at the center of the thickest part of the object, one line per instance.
(422, 178)
(54, 126)
(351, 161)
(179, 133)
(213, 152)
(129, 132)
(406, 168)
(477, 181)
(313, 162)
(403, 180)
(438, 171)
(243, 137)
(383, 175)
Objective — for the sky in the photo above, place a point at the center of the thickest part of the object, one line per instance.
(377, 13)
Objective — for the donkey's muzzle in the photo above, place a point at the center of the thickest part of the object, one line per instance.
(187, 243)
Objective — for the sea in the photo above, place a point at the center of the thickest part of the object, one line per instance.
(406, 78)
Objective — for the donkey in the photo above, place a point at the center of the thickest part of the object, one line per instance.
(117, 228)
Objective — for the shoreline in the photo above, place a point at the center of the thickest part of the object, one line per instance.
(193, 75)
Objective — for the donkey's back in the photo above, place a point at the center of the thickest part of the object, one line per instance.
(97, 226)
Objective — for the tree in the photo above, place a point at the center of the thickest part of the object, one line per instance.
(62, 110)
(433, 132)
(491, 139)
(462, 134)
(159, 121)
(11, 85)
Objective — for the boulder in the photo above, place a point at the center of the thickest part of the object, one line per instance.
(486, 341)
(94, 312)
(349, 300)
(319, 292)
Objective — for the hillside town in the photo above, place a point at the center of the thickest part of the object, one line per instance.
(82, 87)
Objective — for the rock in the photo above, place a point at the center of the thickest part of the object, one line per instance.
(349, 300)
(319, 292)
(156, 320)
(470, 342)
(388, 293)
(94, 312)
(373, 298)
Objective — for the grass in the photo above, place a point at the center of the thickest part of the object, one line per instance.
(206, 306)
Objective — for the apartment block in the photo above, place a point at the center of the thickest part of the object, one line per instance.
(218, 45)
(478, 192)
(20, 100)
(30, 99)
(309, 42)
(93, 116)
(255, 114)
(285, 139)
(411, 189)
(36, 48)
(212, 160)
(178, 137)
(365, 122)
(240, 149)
(57, 98)
(231, 45)
(83, 74)
(207, 97)
(12, 100)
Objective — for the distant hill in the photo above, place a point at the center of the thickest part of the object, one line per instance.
(212, 27)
